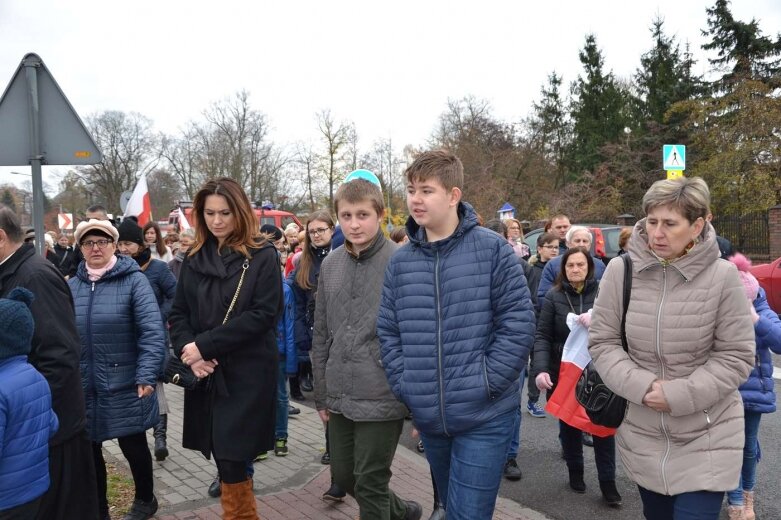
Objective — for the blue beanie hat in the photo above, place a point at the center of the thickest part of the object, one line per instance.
(365, 175)
(16, 323)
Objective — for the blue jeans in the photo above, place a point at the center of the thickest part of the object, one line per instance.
(283, 400)
(468, 467)
(697, 505)
(748, 475)
(515, 442)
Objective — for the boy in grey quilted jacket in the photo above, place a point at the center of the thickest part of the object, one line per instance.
(352, 394)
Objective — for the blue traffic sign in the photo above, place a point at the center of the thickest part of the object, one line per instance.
(674, 157)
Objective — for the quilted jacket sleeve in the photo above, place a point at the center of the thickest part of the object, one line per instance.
(768, 328)
(149, 330)
(513, 317)
(730, 360)
(288, 327)
(618, 371)
(389, 334)
(543, 338)
(320, 343)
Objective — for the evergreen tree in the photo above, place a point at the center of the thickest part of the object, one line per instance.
(742, 51)
(599, 111)
(665, 75)
(550, 127)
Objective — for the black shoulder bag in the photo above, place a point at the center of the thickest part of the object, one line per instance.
(179, 374)
(602, 405)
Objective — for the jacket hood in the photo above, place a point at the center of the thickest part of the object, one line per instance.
(467, 219)
(703, 254)
(124, 266)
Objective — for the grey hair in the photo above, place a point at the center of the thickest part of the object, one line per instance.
(577, 229)
(189, 232)
(9, 222)
(689, 195)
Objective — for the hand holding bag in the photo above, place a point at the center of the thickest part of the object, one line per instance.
(602, 405)
(179, 374)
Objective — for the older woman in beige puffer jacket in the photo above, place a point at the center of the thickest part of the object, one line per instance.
(691, 344)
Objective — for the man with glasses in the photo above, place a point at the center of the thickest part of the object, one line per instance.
(55, 354)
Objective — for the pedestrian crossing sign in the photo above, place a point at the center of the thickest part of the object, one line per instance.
(674, 157)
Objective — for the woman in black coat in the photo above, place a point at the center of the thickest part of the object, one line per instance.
(233, 418)
(573, 293)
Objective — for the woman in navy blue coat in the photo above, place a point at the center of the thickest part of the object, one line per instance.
(122, 354)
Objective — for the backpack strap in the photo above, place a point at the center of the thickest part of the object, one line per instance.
(627, 295)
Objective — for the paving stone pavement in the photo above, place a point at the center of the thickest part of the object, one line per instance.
(286, 487)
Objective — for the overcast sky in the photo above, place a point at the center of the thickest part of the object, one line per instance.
(389, 66)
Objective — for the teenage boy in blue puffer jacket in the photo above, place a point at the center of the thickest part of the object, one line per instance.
(27, 421)
(456, 324)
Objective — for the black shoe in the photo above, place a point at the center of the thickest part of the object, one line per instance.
(298, 396)
(306, 384)
(610, 493)
(292, 410)
(326, 458)
(414, 510)
(419, 447)
(334, 494)
(576, 481)
(588, 440)
(511, 470)
(214, 488)
(141, 510)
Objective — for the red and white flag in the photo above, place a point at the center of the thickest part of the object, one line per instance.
(563, 403)
(183, 223)
(139, 205)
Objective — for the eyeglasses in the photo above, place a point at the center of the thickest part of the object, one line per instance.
(318, 231)
(102, 243)
(549, 247)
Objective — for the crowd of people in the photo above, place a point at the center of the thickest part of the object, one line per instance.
(442, 323)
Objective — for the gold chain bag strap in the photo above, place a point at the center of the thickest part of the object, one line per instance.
(178, 373)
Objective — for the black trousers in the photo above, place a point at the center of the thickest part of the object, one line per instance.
(136, 451)
(22, 512)
(72, 473)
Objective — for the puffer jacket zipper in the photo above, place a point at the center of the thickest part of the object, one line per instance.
(440, 368)
(92, 359)
(663, 462)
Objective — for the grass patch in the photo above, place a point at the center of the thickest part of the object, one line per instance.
(121, 490)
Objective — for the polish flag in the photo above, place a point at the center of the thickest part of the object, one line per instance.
(139, 206)
(183, 223)
(574, 359)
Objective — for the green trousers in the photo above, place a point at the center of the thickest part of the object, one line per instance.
(361, 457)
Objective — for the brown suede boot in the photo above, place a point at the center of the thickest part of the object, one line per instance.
(238, 501)
(748, 508)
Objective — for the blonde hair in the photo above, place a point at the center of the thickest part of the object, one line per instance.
(690, 196)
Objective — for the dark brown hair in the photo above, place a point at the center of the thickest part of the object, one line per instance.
(307, 258)
(398, 234)
(562, 276)
(159, 242)
(441, 165)
(246, 233)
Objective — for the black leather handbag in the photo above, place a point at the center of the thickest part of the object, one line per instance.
(602, 405)
(179, 374)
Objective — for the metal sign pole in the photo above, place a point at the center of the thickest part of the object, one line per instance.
(31, 73)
